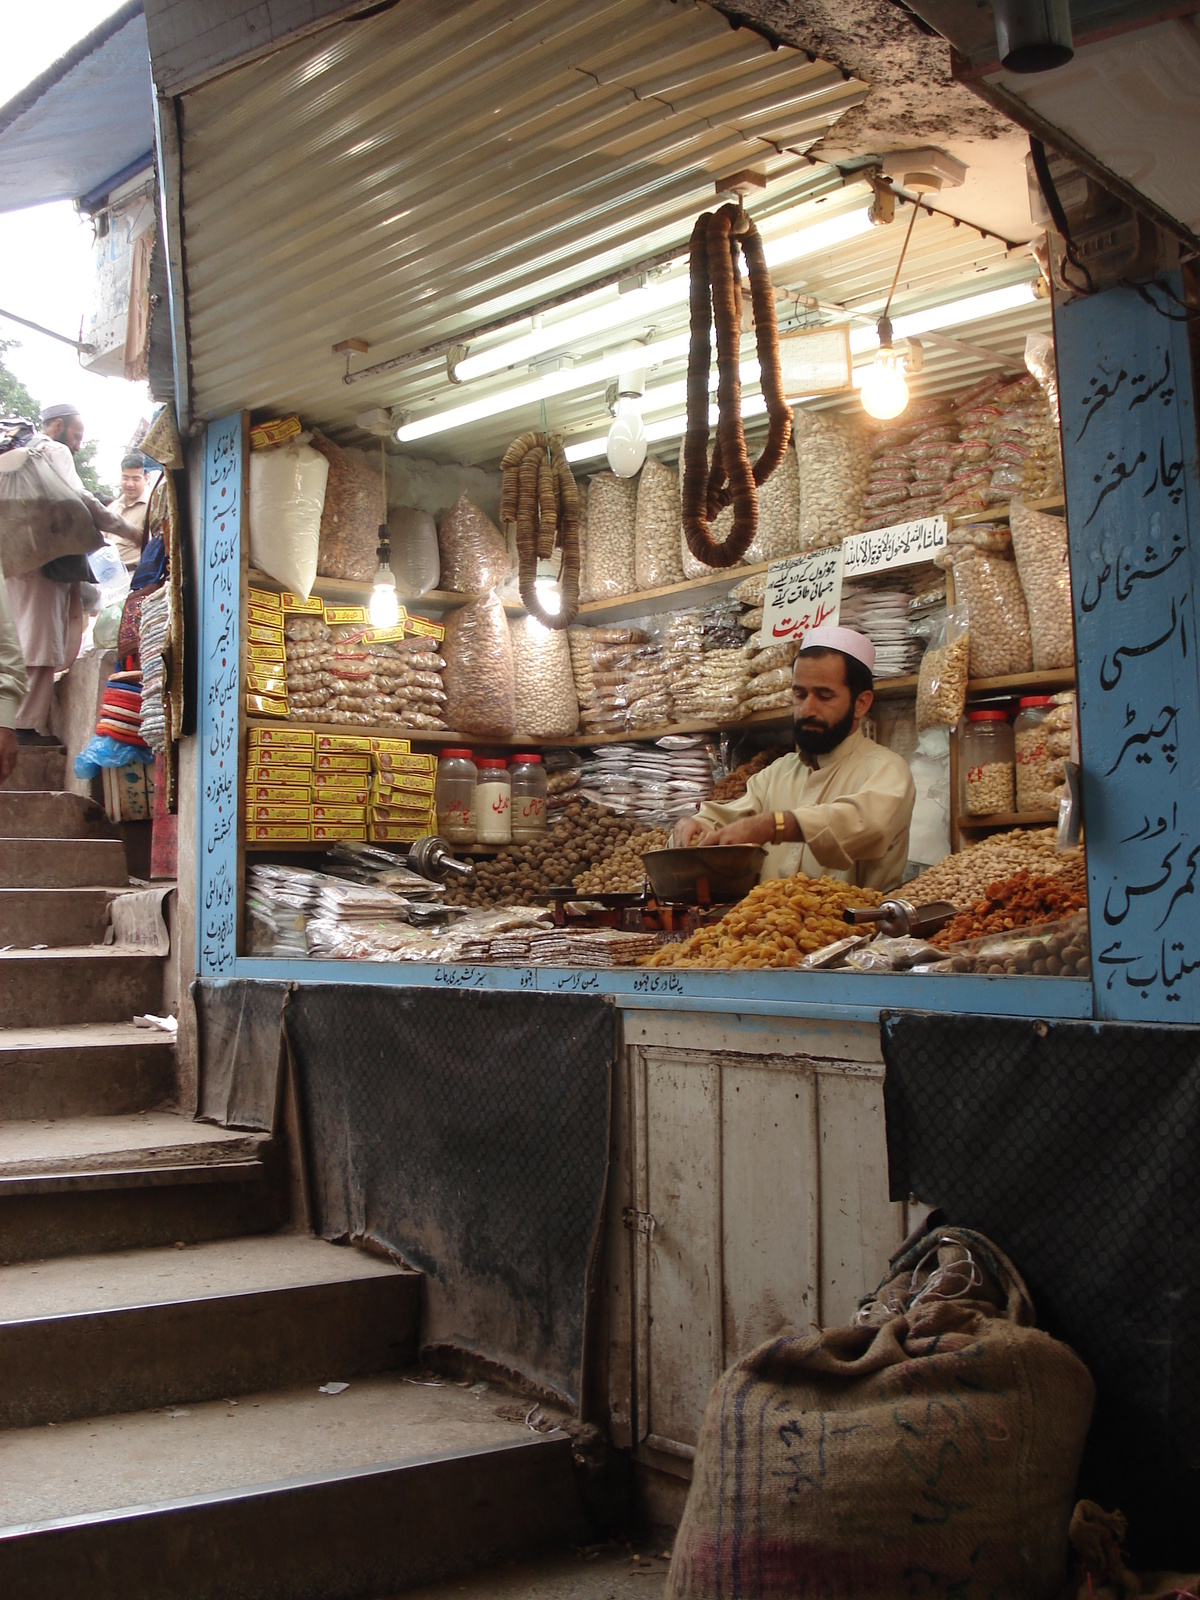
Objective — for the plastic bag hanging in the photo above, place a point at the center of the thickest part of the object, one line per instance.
(716, 297)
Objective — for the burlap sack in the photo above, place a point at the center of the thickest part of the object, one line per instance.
(41, 519)
(931, 1450)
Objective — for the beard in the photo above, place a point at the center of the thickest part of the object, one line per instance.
(814, 740)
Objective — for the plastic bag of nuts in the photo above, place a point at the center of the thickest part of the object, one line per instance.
(351, 514)
(833, 454)
(991, 589)
(612, 519)
(942, 679)
(545, 703)
(1052, 950)
(657, 526)
(1040, 545)
(478, 678)
(474, 553)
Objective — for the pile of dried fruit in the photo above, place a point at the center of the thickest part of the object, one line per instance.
(1022, 901)
(964, 878)
(578, 837)
(734, 786)
(776, 925)
(624, 872)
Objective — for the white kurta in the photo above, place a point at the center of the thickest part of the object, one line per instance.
(853, 807)
(48, 615)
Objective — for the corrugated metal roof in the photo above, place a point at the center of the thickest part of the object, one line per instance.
(401, 178)
(406, 189)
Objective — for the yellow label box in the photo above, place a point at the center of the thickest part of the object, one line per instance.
(336, 762)
(402, 813)
(272, 794)
(344, 743)
(273, 683)
(397, 832)
(422, 628)
(278, 754)
(264, 705)
(277, 431)
(320, 812)
(279, 738)
(279, 832)
(266, 617)
(391, 635)
(328, 831)
(391, 747)
(385, 784)
(257, 633)
(339, 616)
(256, 653)
(267, 598)
(272, 811)
(295, 606)
(278, 777)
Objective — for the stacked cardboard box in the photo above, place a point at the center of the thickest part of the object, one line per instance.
(306, 788)
(401, 792)
(266, 677)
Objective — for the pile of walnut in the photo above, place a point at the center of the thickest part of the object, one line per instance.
(579, 837)
(733, 787)
(776, 925)
(1022, 901)
(624, 872)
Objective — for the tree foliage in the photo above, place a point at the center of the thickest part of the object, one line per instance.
(16, 401)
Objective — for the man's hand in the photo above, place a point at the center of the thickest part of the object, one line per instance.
(747, 830)
(691, 830)
(8, 754)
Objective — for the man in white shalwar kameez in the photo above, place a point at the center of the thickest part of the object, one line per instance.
(49, 615)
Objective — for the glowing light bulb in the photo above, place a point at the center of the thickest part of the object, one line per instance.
(627, 438)
(384, 607)
(884, 391)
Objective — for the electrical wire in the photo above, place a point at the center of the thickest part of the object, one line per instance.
(900, 263)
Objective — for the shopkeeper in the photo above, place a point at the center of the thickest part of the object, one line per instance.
(841, 806)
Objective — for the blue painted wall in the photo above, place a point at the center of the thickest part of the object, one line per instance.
(220, 601)
(1129, 452)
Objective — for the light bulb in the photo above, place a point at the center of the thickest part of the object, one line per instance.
(884, 391)
(549, 595)
(627, 438)
(384, 608)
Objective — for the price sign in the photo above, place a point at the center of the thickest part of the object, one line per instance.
(802, 592)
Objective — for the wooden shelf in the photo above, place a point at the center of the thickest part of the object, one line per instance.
(1033, 682)
(1009, 819)
(350, 591)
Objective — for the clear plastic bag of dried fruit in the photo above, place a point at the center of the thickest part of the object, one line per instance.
(944, 671)
(478, 678)
(989, 586)
(1040, 546)
(474, 553)
(1047, 950)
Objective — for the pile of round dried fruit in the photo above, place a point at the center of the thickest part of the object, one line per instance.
(1021, 901)
(580, 836)
(624, 872)
(776, 925)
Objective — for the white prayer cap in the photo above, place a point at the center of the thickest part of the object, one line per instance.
(52, 413)
(847, 640)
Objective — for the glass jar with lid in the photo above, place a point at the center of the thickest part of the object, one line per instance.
(528, 797)
(985, 756)
(493, 802)
(454, 796)
(1038, 774)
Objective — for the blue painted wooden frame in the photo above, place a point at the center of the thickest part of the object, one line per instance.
(1133, 499)
(217, 732)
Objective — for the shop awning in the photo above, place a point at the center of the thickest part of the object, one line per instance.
(86, 123)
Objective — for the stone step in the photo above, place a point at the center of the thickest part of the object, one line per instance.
(88, 1335)
(56, 917)
(38, 767)
(61, 863)
(34, 814)
(92, 983)
(287, 1495)
(96, 1069)
(89, 1184)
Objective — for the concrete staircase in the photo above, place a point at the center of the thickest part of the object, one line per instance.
(164, 1338)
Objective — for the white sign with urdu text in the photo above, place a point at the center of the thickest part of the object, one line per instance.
(802, 592)
(902, 545)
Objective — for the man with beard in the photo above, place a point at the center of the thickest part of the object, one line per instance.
(841, 806)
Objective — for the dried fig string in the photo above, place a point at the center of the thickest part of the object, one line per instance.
(715, 296)
(539, 494)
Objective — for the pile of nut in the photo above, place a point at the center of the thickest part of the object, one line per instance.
(1021, 901)
(734, 786)
(990, 788)
(624, 872)
(579, 837)
(776, 925)
(942, 683)
(1062, 953)
(964, 878)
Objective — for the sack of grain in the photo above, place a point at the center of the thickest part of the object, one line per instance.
(544, 688)
(351, 514)
(478, 678)
(474, 553)
(930, 1448)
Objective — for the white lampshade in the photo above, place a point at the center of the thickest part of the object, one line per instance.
(627, 439)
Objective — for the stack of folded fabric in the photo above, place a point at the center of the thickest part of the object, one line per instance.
(154, 621)
(121, 709)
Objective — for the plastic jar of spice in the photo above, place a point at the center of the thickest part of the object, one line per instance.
(1038, 774)
(528, 797)
(454, 796)
(986, 760)
(493, 802)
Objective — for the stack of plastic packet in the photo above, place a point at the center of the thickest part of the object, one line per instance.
(652, 783)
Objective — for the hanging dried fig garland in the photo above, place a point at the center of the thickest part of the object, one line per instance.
(716, 295)
(539, 494)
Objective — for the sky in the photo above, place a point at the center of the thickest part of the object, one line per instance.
(45, 255)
